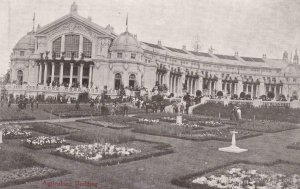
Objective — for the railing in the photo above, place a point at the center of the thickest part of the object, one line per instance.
(41, 88)
(257, 103)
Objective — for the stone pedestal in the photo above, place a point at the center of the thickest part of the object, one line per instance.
(1, 133)
(179, 120)
(233, 148)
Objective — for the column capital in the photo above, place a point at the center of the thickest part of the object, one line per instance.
(72, 64)
(52, 63)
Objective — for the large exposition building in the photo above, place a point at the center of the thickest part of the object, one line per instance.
(73, 54)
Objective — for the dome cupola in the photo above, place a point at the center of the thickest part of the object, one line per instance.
(126, 42)
(27, 42)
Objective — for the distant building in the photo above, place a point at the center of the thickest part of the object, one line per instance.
(73, 54)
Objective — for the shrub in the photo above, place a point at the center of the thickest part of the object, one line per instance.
(83, 97)
(270, 95)
(219, 94)
(242, 95)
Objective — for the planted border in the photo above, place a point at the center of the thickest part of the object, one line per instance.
(60, 172)
(255, 134)
(184, 181)
(294, 146)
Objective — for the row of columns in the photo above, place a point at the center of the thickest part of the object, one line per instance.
(174, 83)
(61, 71)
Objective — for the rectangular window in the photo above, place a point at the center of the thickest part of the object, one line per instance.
(72, 45)
(87, 48)
(22, 53)
(119, 55)
(56, 47)
(133, 55)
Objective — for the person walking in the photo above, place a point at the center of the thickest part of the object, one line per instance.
(37, 104)
(31, 104)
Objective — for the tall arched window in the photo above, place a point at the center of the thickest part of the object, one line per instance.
(72, 45)
(20, 76)
(56, 47)
(87, 48)
(118, 80)
(131, 80)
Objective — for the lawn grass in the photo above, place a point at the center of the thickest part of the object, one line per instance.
(283, 114)
(14, 114)
(266, 126)
(101, 137)
(50, 128)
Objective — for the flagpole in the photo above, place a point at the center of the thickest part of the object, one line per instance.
(127, 23)
(33, 22)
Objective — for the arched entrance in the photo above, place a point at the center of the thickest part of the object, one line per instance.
(131, 81)
(20, 77)
(118, 81)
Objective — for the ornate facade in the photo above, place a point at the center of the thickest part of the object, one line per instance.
(75, 54)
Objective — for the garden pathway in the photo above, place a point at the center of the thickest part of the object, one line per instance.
(189, 157)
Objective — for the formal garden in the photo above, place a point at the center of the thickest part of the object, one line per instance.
(144, 150)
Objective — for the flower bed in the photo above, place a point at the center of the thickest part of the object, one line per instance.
(15, 132)
(20, 176)
(267, 126)
(222, 134)
(42, 142)
(96, 151)
(107, 154)
(148, 121)
(211, 123)
(50, 128)
(189, 133)
(245, 176)
(18, 168)
(295, 146)
(171, 119)
(189, 125)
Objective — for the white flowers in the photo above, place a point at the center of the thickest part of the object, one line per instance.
(44, 140)
(237, 178)
(15, 131)
(96, 151)
(211, 123)
(148, 121)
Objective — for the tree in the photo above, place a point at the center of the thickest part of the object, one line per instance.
(198, 93)
(248, 97)
(219, 94)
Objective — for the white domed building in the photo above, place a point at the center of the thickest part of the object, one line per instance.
(73, 54)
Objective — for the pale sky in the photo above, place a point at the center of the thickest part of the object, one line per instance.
(251, 27)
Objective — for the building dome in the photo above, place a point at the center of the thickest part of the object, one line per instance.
(126, 42)
(27, 42)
